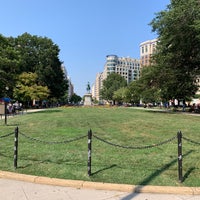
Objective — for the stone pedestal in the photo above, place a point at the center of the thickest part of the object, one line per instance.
(88, 99)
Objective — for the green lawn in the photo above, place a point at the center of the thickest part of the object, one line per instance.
(122, 126)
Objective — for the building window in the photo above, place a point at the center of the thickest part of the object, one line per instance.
(146, 48)
(142, 49)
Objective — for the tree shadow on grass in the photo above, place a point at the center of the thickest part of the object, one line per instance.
(41, 161)
(15, 125)
(188, 173)
(46, 111)
(105, 168)
(147, 180)
(162, 111)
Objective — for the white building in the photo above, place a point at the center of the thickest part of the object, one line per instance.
(127, 67)
(147, 48)
(97, 86)
(71, 87)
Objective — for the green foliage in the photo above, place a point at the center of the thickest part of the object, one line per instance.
(120, 95)
(178, 51)
(27, 88)
(41, 55)
(133, 92)
(113, 82)
(34, 54)
(9, 65)
(75, 99)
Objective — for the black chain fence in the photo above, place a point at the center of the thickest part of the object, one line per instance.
(90, 136)
(136, 147)
(52, 142)
(191, 141)
(6, 135)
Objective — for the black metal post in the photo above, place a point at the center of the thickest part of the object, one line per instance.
(5, 113)
(89, 151)
(180, 157)
(16, 147)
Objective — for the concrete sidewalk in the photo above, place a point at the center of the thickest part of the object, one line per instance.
(15, 186)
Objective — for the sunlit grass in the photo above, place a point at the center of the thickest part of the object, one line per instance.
(121, 126)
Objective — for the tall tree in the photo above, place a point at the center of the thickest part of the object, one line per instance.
(111, 84)
(28, 53)
(177, 61)
(9, 65)
(40, 55)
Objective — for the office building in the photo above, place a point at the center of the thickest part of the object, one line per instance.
(147, 48)
(70, 85)
(127, 67)
(97, 86)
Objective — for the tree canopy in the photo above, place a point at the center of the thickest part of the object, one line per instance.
(28, 89)
(177, 60)
(31, 54)
(111, 84)
(75, 99)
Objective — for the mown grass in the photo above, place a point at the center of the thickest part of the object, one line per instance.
(122, 126)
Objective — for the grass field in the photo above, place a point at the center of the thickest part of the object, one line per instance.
(122, 126)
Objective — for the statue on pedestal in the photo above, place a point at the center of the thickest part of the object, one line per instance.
(88, 96)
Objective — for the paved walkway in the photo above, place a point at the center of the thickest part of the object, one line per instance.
(21, 190)
(14, 186)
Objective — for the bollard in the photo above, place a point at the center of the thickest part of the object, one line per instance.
(89, 151)
(16, 147)
(180, 157)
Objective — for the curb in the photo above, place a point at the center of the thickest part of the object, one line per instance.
(101, 186)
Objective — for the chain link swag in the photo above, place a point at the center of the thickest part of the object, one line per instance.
(189, 140)
(136, 147)
(53, 142)
(7, 135)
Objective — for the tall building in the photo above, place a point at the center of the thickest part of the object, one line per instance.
(147, 48)
(127, 67)
(70, 85)
(97, 86)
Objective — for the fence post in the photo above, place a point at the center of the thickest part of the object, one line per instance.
(89, 151)
(180, 156)
(16, 147)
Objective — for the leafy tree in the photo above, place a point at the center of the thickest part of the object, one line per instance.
(28, 53)
(9, 65)
(27, 88)
(111, 84)
(177, 61)
(120, 95)
(75, 98)
(40, 55)
(133, 92)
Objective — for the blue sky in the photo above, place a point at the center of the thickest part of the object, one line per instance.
(85, 30)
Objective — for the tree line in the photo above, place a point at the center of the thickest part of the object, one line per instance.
(175, 66)
(30, 69)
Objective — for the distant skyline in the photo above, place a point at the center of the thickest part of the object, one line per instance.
(86, 31)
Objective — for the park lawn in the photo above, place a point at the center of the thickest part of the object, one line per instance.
(126, 127)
